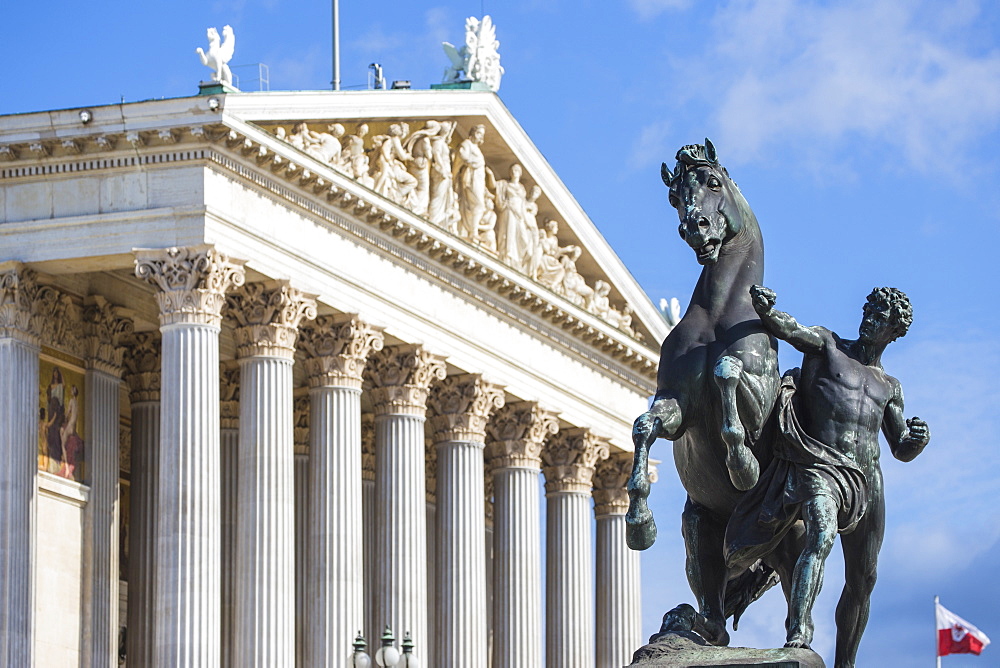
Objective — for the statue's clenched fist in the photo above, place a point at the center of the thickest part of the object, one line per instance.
(762, 298)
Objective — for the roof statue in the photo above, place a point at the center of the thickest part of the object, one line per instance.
(479, 59)
(220, 52)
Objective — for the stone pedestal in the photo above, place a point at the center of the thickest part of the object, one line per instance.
(401, 377)
(143, 379)
(688, 650)
(516, 435)
(337, 349)
(192, 283)
(18, 424)
(568, 464)
(619, 608)
(461, 407)
(268, 315)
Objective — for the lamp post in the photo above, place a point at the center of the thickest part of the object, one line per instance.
(409, 658)
(387, 655)
(360, 658)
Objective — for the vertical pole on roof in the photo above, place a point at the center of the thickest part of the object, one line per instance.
(336, 45)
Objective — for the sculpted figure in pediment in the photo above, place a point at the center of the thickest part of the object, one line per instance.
(486, 230)
(355, 159)
(391, 176)
(442, 206)
(574, 287)
(600, 304)
(325, 146)
(531, 256)
(550, 270)
(469, 174)
(513, 238)
(299, 138)
(419, 146)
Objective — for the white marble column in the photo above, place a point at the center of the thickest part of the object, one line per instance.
(488, 543)
(18, 425)
(104, 326)
(427, 654)
(303, 586)
(568, 462)
(337, 349)
(400, 377)
(619, 613)
(142, 376)
(192, 282)
(516, 435)
(268, 316)
(229, 437)
(370, 629)
(461, 406)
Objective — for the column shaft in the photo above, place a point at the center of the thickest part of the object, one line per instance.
(619, 613)
(230, 440)
(101, 592)
(517, 584)
(461, 582)
(336, 581)
(371, 628)
(569, 580)
(187, 560)
(304, 622)
(18, 436)
(265, 567)
(401, 533)
(142, 531)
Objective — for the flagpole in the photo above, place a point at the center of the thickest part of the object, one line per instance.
(936, 653)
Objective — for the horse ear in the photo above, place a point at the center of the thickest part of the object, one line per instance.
(665, 174)
(710, 151)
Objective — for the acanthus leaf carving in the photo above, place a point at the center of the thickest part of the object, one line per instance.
(401, 377)
(368, 447)
(337, 349)
(460, 407)
(105, 326)
(229, 394)
(517, 433)
(300, 430)
(142, 366)
(569, 460)
(193, 282)
(610, 477)
(268, 316)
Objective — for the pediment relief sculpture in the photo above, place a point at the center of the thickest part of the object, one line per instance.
(447, 181)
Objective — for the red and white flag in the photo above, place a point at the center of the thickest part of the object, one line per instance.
(955, 635)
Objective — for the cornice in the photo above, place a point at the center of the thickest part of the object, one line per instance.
(279, 169)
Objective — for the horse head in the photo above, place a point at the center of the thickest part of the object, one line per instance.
(711, 208)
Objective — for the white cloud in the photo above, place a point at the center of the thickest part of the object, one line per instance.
(647, 9)
(651, 146)
(901, 75)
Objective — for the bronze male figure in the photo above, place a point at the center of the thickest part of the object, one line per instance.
(825, 469)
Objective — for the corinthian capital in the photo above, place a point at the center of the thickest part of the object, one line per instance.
(460, 407)
(401, 377)
(105, 327)
(268, 316)
(300, 411)
(610, 476)
(17, 292)
(368, 447)
(338, 347)
(142, 366)
(517, 433)
(193, 282)
(569, 459)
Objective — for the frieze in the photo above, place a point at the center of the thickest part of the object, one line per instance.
(540, 302)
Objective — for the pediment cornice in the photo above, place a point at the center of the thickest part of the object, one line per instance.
(238, 146)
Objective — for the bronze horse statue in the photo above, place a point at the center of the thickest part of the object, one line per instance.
(716, 386)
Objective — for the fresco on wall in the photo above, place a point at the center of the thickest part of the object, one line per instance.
(61, 401)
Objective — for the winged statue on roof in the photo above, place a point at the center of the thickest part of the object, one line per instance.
(479, 58)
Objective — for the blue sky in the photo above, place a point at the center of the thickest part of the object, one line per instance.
(863, 134)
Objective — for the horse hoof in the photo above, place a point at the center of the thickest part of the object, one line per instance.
(743, 468)
(640, 535)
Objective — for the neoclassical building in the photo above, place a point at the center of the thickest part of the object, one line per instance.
(277, 368)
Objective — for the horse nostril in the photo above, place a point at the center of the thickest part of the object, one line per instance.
(682, 232)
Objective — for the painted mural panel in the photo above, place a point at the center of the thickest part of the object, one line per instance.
(61, 402)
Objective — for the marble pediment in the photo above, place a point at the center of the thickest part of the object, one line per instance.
(394, 142)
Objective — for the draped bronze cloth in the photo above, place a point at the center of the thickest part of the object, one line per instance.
(803, 468)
